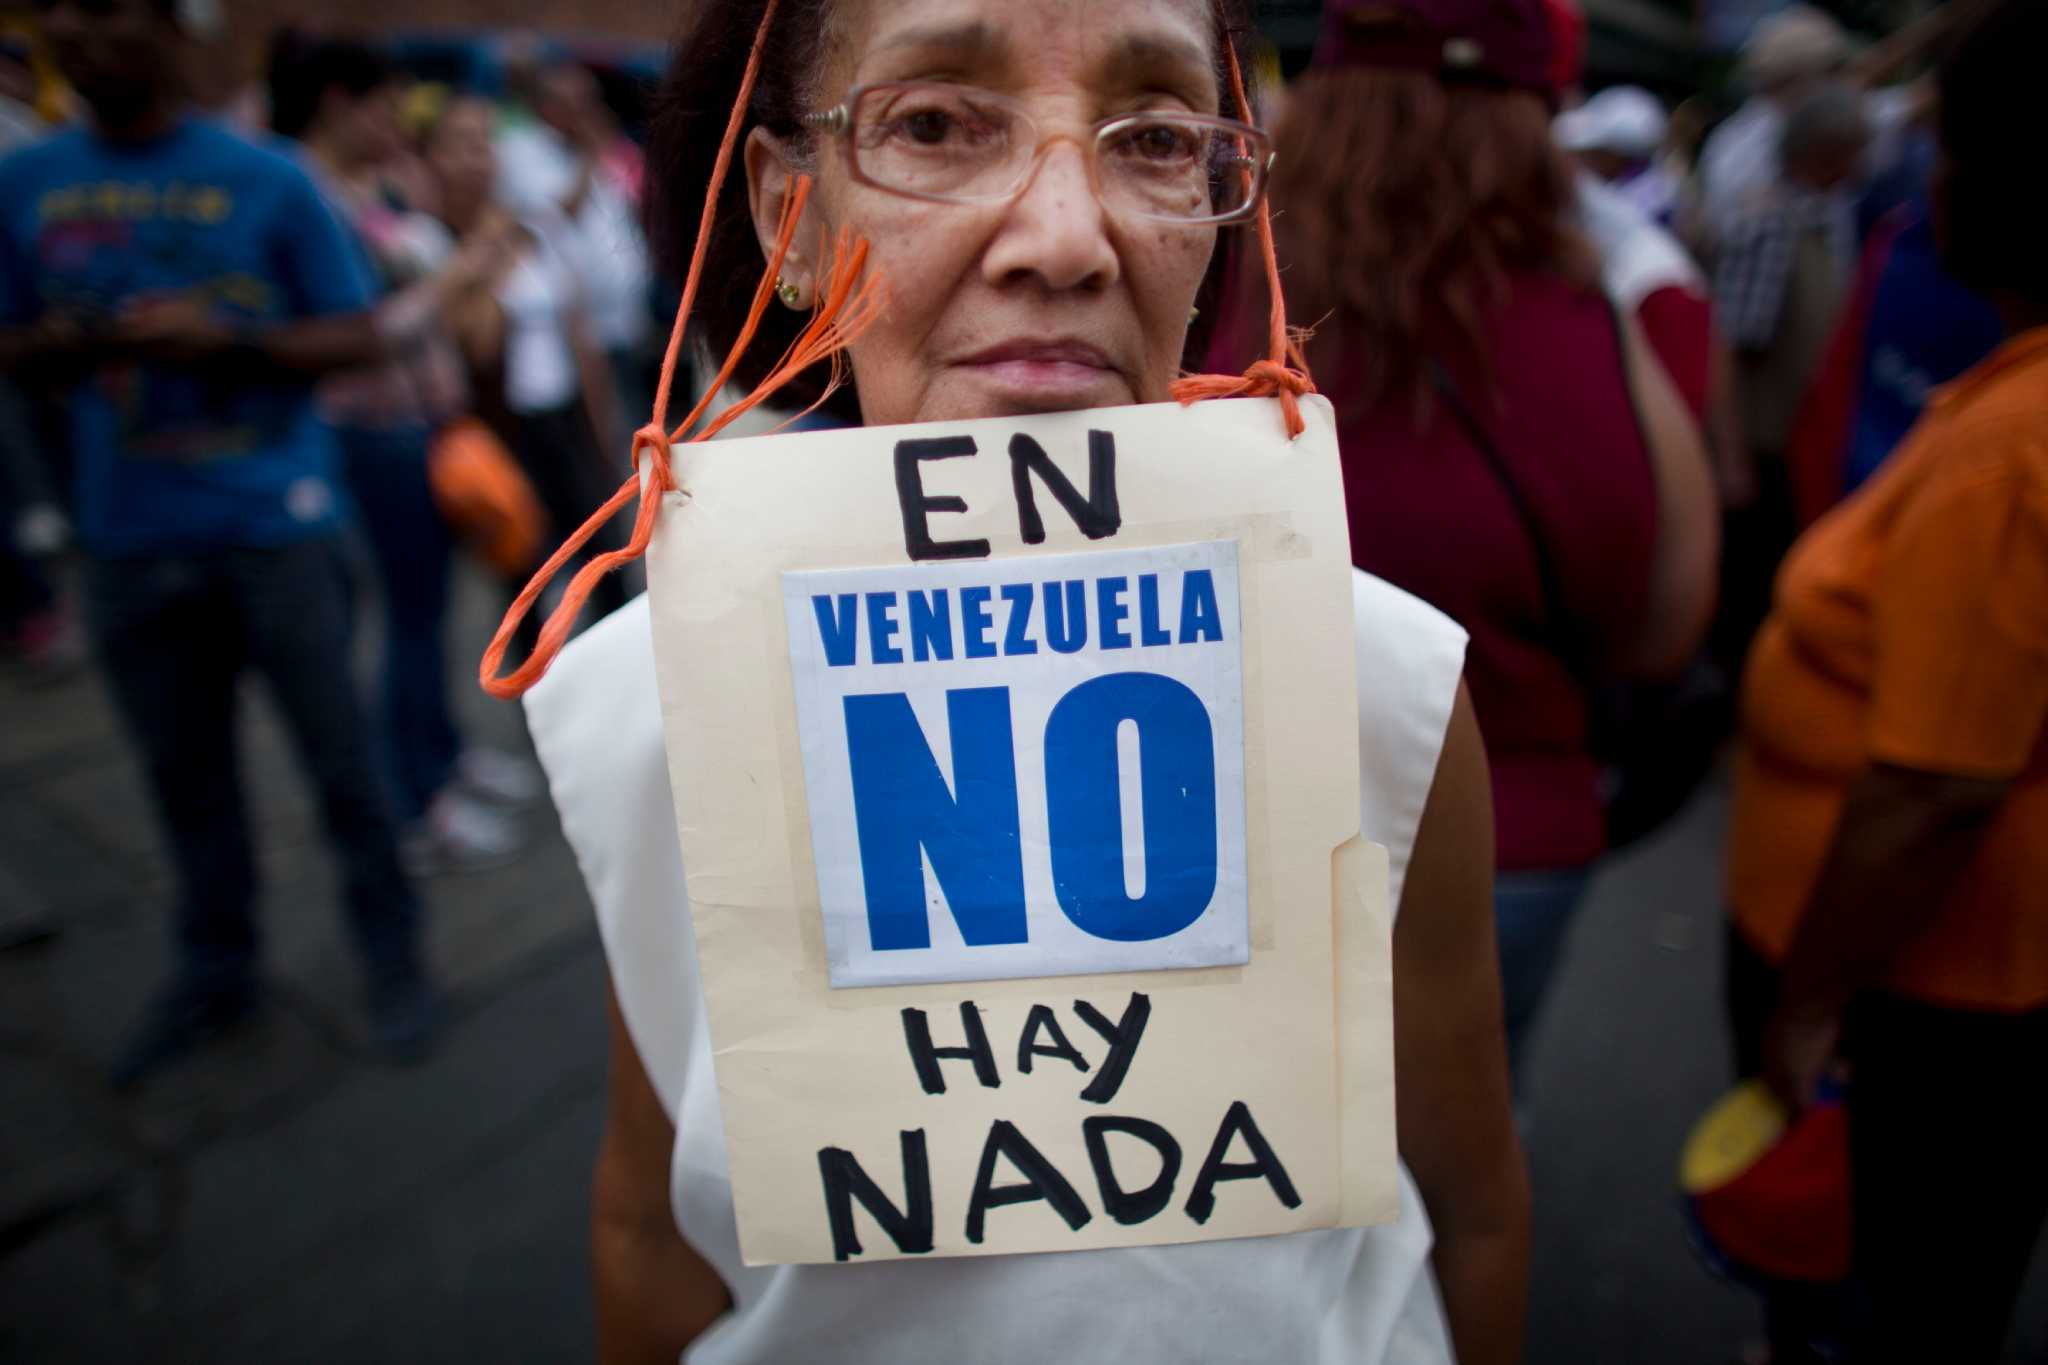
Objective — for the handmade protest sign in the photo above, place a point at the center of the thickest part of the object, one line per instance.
(1017, 789)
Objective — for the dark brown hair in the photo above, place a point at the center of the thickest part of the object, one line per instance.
(689, 118)
(1403, 205)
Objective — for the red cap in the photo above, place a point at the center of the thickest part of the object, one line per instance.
(1537, 45)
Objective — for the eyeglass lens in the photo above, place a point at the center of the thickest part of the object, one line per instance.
(960, 144)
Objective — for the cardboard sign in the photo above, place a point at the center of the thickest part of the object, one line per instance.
(1023, 768)
(1017, 788)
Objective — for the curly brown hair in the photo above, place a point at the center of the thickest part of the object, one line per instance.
(690, 113)
(1403, 205)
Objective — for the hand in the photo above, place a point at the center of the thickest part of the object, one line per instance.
(1799, 1046)
(174, 329)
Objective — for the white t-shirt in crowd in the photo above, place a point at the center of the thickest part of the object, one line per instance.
(539, 297)
(1359, 1296)
(537, 172)
(1637, 257)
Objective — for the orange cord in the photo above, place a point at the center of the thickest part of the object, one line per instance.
(850, 302)
(1283, 374)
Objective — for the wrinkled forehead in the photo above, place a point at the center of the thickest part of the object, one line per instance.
(1091, 47)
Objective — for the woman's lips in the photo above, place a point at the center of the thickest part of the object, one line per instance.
(1043, 369)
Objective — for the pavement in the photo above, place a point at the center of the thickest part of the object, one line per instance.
(289, 1197)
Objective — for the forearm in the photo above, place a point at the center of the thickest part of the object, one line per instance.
(1452, 1109)
(655, 1295)
(1682, 580)
(1482, 1274)
(1904, 839)
(43, 350)
(312, 347)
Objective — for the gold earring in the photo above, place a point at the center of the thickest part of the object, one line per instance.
(791, 296)
(1194, 312)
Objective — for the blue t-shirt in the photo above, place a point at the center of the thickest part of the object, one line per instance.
(1925, 329)
(171, 459)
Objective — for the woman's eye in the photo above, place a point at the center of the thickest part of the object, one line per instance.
(948, 124)
(928, 126)
(1161, 144)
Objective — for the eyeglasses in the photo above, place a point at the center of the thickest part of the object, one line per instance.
(960, 144)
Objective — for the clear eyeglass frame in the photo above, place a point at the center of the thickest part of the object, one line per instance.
(1251, 151)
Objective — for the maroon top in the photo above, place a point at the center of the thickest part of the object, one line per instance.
(1429, 515)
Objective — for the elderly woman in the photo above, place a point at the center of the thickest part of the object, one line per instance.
(1042, 292)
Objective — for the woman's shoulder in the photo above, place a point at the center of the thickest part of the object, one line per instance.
(596, 725)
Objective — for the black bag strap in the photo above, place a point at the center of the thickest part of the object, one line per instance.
(1550, 582)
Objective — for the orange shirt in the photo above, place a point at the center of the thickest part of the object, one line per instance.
(1911, 628)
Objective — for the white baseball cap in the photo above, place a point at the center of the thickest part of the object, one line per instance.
(1624, 119)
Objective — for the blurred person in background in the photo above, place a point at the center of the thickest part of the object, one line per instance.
(572, 160)
(525, 331)
(1781, 276)
(1909, 328)
(1786, 56)
(1888, 860)
(36, 629)
(1789, 56)
(1488, 403)
(339, 99)
(1618, 137)
(186, 288)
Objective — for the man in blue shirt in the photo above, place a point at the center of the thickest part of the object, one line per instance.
(184, 288)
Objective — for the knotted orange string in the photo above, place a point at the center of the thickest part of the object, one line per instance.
(850, 301)
(1283, 374)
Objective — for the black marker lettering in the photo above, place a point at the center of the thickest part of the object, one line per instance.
(917, 1034)
(1123, 1039)
(1041, 1017)
(910, 1228)
(1238, 1119)
(917, 508)
(1131, 1206)
(1098, 516)
(1041, 1181)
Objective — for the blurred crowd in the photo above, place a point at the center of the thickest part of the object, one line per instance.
(455, 313)
(1638, 355)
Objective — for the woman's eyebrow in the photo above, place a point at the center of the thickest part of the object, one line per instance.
(972, 41)
(1136, 58)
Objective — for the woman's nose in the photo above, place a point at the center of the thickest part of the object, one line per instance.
(1055, 230)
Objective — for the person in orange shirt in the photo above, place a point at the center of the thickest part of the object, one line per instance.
(1888, 861)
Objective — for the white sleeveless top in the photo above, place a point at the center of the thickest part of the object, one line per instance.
(1351, 1295)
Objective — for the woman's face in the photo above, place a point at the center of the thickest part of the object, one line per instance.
(460, 153)
(365, 127)
(1042, 304)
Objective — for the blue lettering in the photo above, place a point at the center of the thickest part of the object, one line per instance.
(901, 804)
(976, 622)
(1200, 617)
(931, 624)
(1177, 786)
(836, 629)
(1015, 641)
(882, 627)
(1149, 632)
(1066, 631)
(1111, 612)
